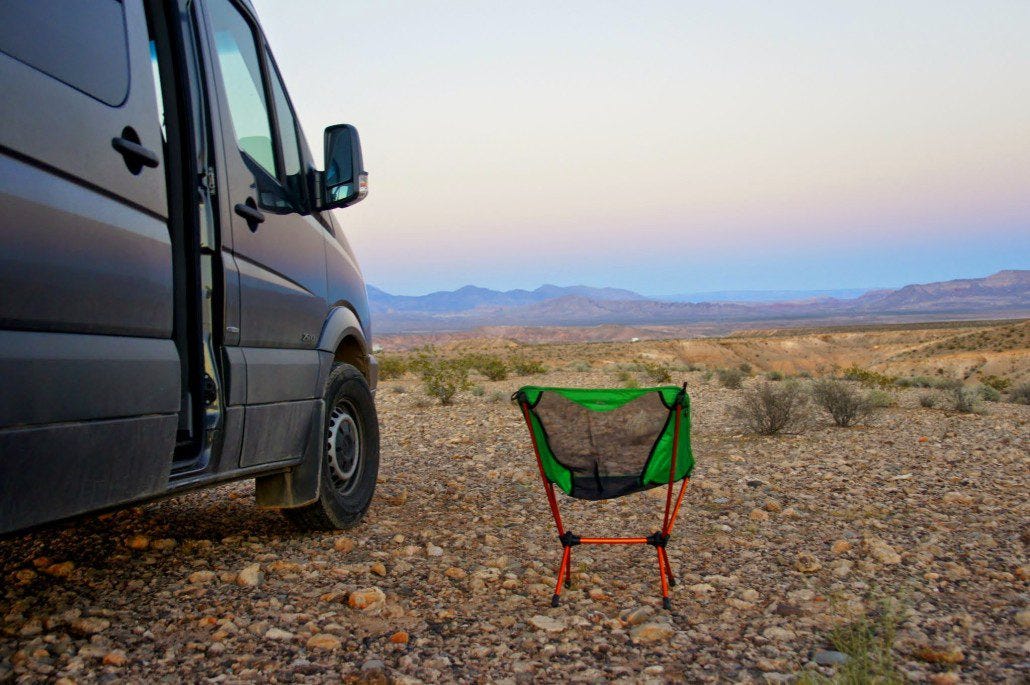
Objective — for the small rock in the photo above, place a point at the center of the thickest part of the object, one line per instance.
(373, 672)
(840, 547)
(880, 550)
(400, 637)
(251, 576)
(758, 515)
(959, 498)
(651, 632)
(778, 634)
(546, 623)
(636, 616)
(946, 655)
(60, 570)
(115, 657)
(749, 595)
(755, 483)
(700, 589)
(1023, 618)
(378, 568)
(89, 625)
(807, 563)
(324, 641)
(137, 542)
(948, 678)
(434, 551)
(343, 545)
(455, 573)
(163, 544)
(827, 657)
(278, 634)
(367, 599)
(201, 577)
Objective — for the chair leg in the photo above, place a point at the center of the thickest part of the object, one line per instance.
(561, 576)
(668, 568)
(568, 568)
(666, 604)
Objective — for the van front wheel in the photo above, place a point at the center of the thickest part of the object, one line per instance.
(350, 455)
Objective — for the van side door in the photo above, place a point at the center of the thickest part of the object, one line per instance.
(279, 248)
(90, 392)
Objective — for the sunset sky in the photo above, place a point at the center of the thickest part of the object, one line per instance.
(668, 147)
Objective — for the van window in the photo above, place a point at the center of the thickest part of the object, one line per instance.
(288, 138)
(81, 44)
(241, 79)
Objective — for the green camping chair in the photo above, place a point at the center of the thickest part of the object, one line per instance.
(602, 444)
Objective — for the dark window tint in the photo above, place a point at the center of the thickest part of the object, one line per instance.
(287, 127)
(79, 42)
(244, 89)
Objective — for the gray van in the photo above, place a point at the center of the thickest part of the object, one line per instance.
(178, 307)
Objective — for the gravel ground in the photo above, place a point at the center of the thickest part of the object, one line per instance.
(449, 577)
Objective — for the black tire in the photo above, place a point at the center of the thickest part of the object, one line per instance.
(351, 446)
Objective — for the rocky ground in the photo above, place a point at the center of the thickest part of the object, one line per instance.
(449, 578)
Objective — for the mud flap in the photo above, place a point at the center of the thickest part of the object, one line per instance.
(297, 486)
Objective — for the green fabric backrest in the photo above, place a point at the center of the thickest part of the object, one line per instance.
(592, 456)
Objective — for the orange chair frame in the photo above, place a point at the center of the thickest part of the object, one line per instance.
(658, 539)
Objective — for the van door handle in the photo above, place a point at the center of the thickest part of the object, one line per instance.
(252, 214)
(134, 153)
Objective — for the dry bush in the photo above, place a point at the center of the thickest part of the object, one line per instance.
(768, 409)
(928, 400)
(525, 366)
(965, 400)
(442, 378)
(730, 378)
(391, 366)
(868, 378)
(657, 372)
(1020, 394)
(842, 400)
(490, 366)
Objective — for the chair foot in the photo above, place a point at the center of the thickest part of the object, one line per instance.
(568, 582)
(554, 600)
(666, 604)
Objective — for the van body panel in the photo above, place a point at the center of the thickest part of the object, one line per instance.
(58, 377)
(78, 260)
(53, 472)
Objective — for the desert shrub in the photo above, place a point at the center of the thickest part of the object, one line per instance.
(773, 376)
(915, 382)
(803, 374)
(581, 367)
(988, 393)
(965, 400)
(880, 399)
(628, 380)
(1020, 394)
(869, 644)
(497, 396)
(768, 409)
(391, 366)
(442, 378)
(478, 390)
(870, 379)
(688, 367)
(842, 400)
(730, 378)
(490, 366)
(928, 400)
(745, 368)
(997, 382)
(526, 366)
(949, 384)
(707, 375)
(657, 372)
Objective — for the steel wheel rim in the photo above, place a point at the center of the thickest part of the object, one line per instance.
(343, 447)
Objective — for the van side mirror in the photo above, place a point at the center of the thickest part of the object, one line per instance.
(344, 180)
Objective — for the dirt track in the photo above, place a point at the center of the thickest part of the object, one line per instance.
(925, 506)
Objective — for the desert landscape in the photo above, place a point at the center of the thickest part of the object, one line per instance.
(892, 549)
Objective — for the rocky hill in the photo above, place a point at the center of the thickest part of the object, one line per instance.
(1005, 294)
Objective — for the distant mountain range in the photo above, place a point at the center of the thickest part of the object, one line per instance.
(1004, 294)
